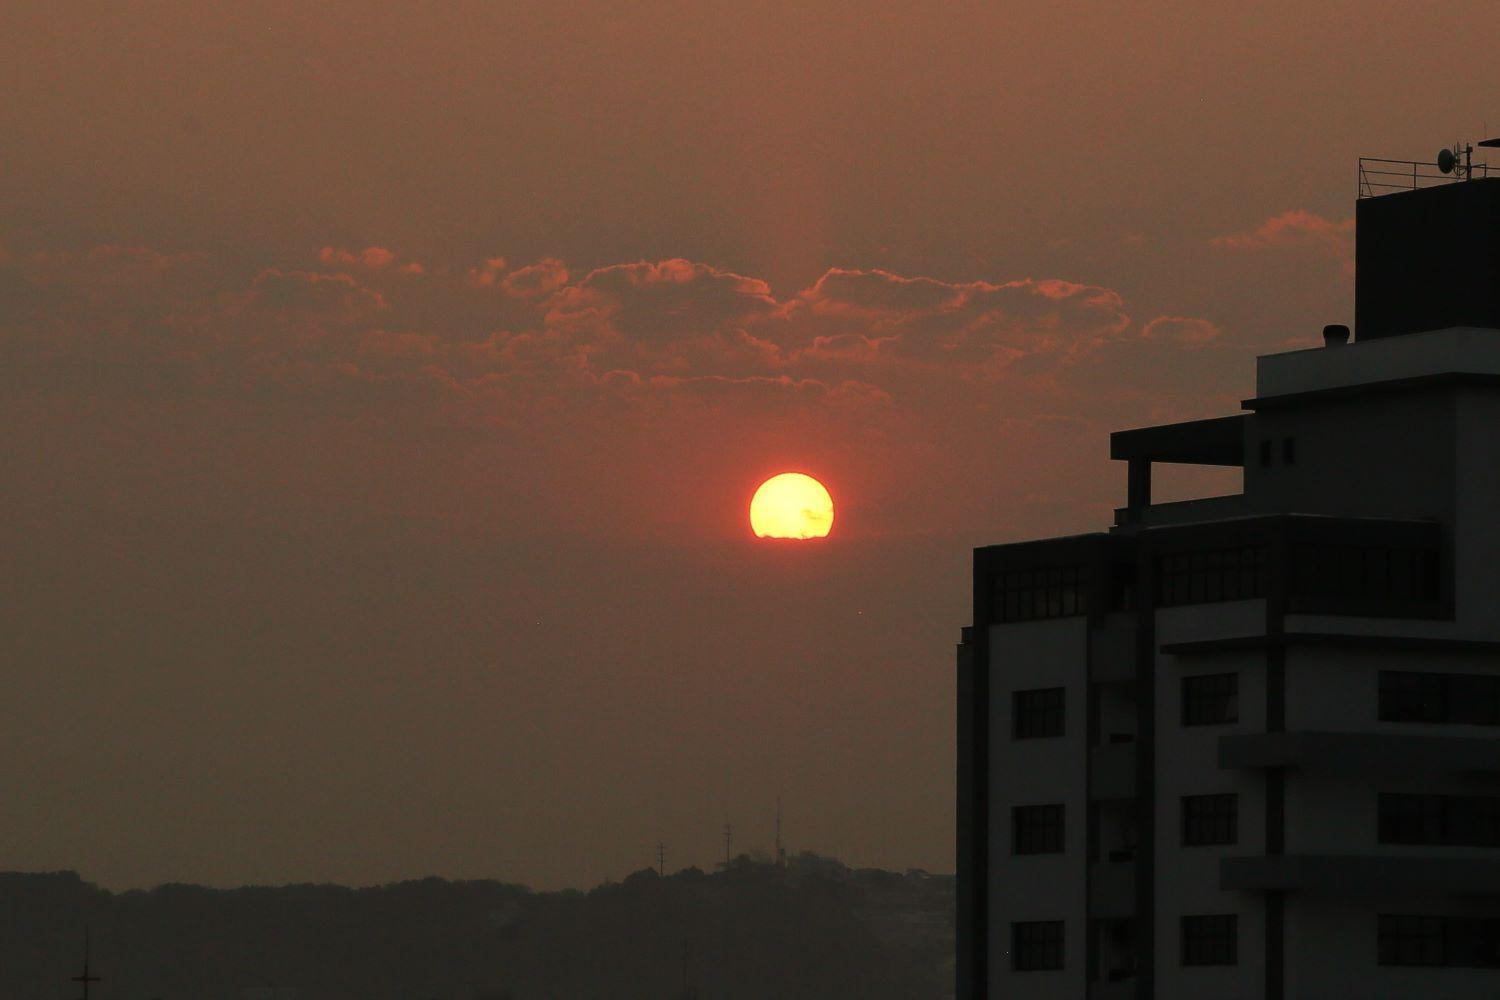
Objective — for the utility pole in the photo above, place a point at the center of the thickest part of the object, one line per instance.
(85, 978)
(780, 851)
(728, 843)
(661, 858)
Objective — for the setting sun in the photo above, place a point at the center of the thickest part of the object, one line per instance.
(791, 505)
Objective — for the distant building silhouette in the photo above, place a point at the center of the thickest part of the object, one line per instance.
(1249, 746)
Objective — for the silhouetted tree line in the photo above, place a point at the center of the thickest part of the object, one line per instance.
(751, 929)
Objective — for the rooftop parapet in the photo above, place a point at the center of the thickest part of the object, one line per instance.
(1459, 352)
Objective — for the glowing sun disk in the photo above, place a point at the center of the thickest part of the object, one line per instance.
(791, 505)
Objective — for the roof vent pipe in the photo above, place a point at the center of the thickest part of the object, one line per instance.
(1335, 335)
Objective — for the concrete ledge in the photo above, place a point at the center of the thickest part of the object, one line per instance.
(1360, 753)
(1368, 875)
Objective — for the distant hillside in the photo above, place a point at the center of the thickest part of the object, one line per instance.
(753, 930)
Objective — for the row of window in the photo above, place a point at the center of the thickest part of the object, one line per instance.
(1206, 820)
(1209, 939)
(1031, 594)
(1229, 572)
(1434, 820)
(1322, 570)
(1447, 820)
(1213, 699)
(1213, 939)
(1413, 939)
(1234, 573)
(1423, 696)
(1368, 572)
(1207, 699)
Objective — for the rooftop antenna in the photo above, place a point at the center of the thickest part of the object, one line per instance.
(85, 978)
(780, 851)
(1448, 162)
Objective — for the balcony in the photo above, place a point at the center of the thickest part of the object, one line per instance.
(1112, 771)
(1360, 753)
(1353, 875)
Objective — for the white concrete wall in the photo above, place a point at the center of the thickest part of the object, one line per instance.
(1029, 655)
(1477, 552)
(1331, 952)
(1337, 690)
(1187, 878)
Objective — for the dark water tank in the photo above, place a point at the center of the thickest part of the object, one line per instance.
(1427, 259)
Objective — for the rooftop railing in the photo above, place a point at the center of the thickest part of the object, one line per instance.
(1379, 176)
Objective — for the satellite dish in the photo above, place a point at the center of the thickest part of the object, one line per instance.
(1446, 161)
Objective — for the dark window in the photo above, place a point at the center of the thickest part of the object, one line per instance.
(1289, 451)
(1037, 713)
(1365, 572)
(1045, 592)
(1225, 574)
(1210, 940)
(1410, 939)
(1423, 696)
(1449, 820)
(1210, 699)
(1210, 819)
(1036, 945)
(1036, 829)
(1265, 453)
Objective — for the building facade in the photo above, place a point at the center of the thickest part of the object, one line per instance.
(1249, 746)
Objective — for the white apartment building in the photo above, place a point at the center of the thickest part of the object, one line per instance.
(1249, 746)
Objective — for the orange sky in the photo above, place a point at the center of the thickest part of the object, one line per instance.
(383, 386)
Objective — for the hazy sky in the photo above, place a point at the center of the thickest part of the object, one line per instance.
(383, 385)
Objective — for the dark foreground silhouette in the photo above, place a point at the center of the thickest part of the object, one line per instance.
(812, 929)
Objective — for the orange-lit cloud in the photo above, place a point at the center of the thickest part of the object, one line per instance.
(1297, 229)
(642, 351)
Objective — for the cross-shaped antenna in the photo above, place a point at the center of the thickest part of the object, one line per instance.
(85, 978)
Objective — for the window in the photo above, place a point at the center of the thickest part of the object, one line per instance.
(1233, 573)
(1037, 713)
(1365, 572)
(1210, 940)
(1423, 696)
(1210, 699)
(1045, 592)
(1407, 939)
(1265, 453)
(1410, 940)
(1036, 829)
(1289, 451)
(1036, 945)
(1448, 820)
(1210, 819)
